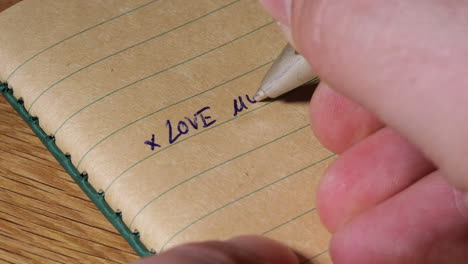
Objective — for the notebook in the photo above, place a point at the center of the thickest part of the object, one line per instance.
(149, 106)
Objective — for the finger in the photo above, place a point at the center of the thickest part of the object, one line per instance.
(239, 250)
(372, 171)
(337, 121)
(403, 60)
(424, 224)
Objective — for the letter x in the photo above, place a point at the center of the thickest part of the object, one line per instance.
(152, 143)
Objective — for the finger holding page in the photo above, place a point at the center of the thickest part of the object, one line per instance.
(239, 250)
(404, 61)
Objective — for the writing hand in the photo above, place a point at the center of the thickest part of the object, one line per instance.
(389, 198)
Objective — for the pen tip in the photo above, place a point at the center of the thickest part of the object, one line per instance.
(260, 96)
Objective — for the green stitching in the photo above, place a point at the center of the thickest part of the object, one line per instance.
(81, 179)
(88, 189)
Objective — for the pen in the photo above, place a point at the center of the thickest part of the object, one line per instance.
(289, 71)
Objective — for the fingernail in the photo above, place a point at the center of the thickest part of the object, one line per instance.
(461, 201)
(281, 12)
(287, 32)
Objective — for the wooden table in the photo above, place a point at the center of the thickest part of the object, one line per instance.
(44, 216)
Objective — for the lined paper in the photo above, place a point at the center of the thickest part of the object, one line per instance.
(154, 100)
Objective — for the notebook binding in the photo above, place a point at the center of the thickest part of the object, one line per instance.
(115, 217)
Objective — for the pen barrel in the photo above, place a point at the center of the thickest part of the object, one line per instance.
(289, 71)
(301, 74)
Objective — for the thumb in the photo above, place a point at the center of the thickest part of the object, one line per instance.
(239, 250)
(405, 61)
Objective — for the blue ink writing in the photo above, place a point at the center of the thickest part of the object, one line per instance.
(194, 123)
(251, 100)
(204, 118)
(152, 143)
(169, 126)
(239, 104)
(183, 128)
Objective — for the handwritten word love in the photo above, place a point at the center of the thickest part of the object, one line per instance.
(201, 119)
(183, 128)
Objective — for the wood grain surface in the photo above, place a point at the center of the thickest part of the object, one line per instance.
(44, 216)
(4, 4)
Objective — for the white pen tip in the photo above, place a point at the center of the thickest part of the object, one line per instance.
(260, 96)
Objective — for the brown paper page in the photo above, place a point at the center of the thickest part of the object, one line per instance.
(153, 99)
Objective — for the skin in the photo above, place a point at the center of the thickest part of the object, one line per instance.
(239, 250)
(393, 104)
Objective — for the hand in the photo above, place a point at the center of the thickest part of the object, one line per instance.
(239, 250)
(393, 102)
